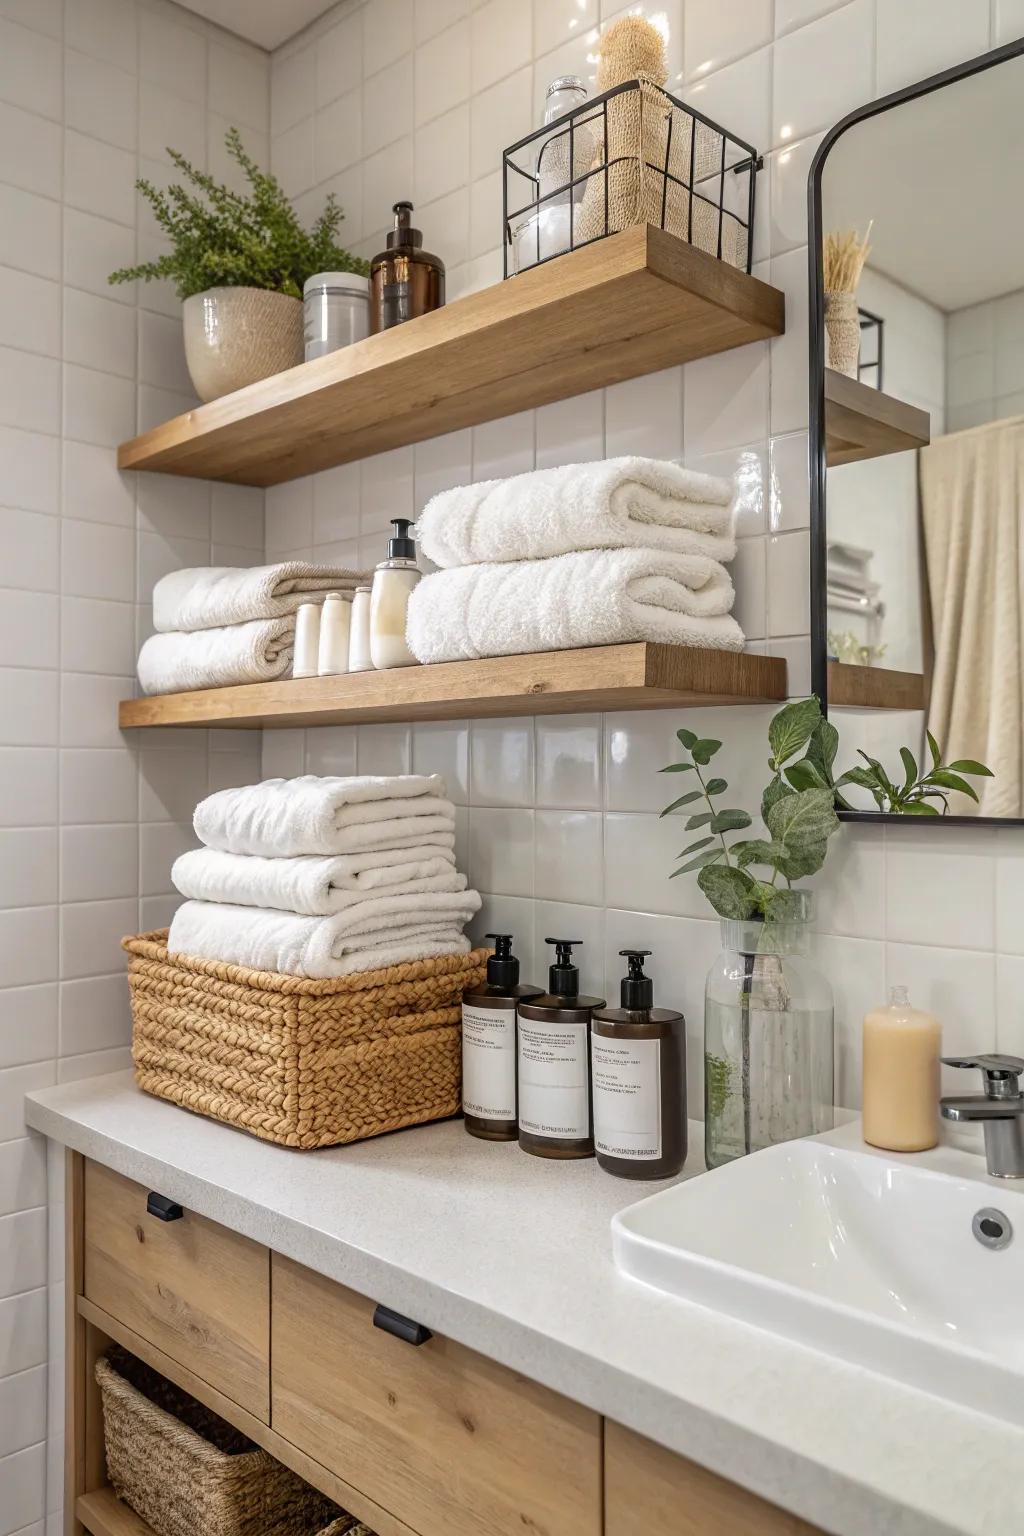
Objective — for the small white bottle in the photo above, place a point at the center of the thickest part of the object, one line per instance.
(335, 628)
(359, 659)
(393, 581)
(307, 640)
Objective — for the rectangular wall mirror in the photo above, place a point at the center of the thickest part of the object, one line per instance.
(917, 429)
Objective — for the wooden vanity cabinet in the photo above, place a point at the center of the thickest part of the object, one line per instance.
(413, 1433)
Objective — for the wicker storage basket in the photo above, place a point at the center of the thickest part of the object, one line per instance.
(302, 1063)
(188, 1473)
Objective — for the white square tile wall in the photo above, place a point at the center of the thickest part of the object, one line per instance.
(562, 814)
(90, 93)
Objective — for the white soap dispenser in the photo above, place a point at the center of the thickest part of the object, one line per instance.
(393, 581)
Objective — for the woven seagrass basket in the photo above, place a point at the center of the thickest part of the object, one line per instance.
(298, 1062)
(189, 1473)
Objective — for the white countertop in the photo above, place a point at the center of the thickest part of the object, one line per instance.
(511, 1256)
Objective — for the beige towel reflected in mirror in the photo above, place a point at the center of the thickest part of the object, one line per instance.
(972, 507)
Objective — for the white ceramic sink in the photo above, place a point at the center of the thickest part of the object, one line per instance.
(865, 1255)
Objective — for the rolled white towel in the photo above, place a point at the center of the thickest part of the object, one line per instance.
(311, 946)
(596, 597)
(316, 885)
(209, 596)
(280, 818)
(648, 503)
(256, 652)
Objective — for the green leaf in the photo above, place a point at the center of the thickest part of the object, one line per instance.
(755, 850)
(783, 906)
(716, 786)
(777, 790)
(948, 780)
(708, 857)
(703, 751)
(695, 794)
(862, 777)
(804, 774)
(919, 808)
(881, 777)
(700, 820)
(688, 739)
(792, 728)
(730, 821)
(910, 765)
(822, 748)
(807, 861)
(730, 891)
(677, 768)
(803, 821)
(702, 842)
(968, 765)
(934, 749)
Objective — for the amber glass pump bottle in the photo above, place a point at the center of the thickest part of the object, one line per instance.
(489, 1045)
(554, 1063)
(639, 1067)
(405, 280)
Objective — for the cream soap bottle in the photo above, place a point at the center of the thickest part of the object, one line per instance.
(393, 581)
(902, 1047)
(489, 1100)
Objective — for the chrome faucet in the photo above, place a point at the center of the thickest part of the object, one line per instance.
(1000, 1109)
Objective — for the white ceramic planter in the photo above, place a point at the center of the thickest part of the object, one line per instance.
(234, 336)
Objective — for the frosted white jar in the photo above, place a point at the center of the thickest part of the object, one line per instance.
(335, 630)
(307, 640)
(359, 659)
(336, 311)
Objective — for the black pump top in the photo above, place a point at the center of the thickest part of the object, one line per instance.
(563, 976)
(400, 546)
(502, 967)
(637, 990)
(403, 232)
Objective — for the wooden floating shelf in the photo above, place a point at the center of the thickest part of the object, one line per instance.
(638, 676)
(633, 303)
(103, 1513)
(851, 687)
(864, 423)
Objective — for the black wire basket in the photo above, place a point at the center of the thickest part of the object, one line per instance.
(634, 155)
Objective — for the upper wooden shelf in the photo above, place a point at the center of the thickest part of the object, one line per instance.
(864, 423)
(852, 687)
(631, 304)
(638, 676)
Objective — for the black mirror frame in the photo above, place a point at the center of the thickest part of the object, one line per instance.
(816, 399)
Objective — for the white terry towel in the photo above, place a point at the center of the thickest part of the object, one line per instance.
(318, 946)
(284, 817)
(313, 884)
(210, 596)
(648, 503)
(597, 597)
(256, 652)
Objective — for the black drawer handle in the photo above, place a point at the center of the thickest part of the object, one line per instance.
(402, 1327)
(166, 1210)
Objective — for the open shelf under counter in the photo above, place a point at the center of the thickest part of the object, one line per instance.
(611, 677)
(103, 1514)
(853, 687)
(630, 304)
(864, 423)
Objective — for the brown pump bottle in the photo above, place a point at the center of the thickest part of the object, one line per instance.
(638, 1061)
(405, 280)
(489, 1099)
(555, 1118)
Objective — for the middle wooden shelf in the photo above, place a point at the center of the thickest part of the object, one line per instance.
(633, 676)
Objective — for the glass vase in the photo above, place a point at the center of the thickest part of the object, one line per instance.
(768, 1039)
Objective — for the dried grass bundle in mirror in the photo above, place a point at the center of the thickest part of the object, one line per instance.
(843, 256)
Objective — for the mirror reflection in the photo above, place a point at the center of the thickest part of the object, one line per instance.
(922, 613)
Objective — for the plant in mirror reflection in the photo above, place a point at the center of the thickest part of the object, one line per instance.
(753, 876)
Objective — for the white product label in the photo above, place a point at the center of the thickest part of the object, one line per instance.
(554, 1094)
(489, 1062)
(627, 1097)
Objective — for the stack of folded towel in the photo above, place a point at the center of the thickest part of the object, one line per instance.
(219, 625)
(323, 876)
(585, 554)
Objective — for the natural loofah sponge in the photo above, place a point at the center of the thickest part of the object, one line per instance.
(631, 49)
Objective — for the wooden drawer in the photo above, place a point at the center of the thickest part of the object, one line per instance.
(195, 1290)
(449, 1442)
(652, 1490)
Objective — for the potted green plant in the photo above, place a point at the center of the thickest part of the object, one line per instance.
(238, 261)
(768, 1014)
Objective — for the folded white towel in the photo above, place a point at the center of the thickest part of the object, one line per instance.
(256, 652)
(609, 504)
(596, 597)
(312, 884)
(313, 946)
(209, 596)
(284, 817)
